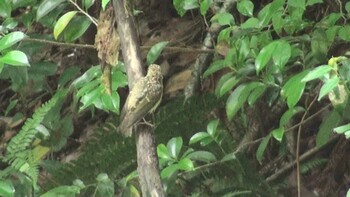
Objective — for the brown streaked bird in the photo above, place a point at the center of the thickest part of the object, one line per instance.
(144, 98)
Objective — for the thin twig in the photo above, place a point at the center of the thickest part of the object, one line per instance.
(298, 144)
(90, 46)
(86, 14)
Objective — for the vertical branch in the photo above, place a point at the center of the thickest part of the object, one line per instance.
(147, 159)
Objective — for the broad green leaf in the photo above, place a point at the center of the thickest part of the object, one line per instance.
(46, 7)
(329, 122)
(15, 58)
(204, 6)
(281, 54)
(68, 74)
(344, 32)
(229, 157)
(318, 72)
(328, 87)
(250, 23)
(289, 114)
(245, 7)
(347, 7)
(236, 100)
(185, 164)
(162, 152)
(278, 133)
(198, 137)
(214, 67)
(294, 88)
(297, 3)
(212, 127)
(5, 9)
(190, 4)
(104, 4)
(89, 75)
(88, 88)
(204, 156)
(90, 97)
(312, 2)
(262, 148)
(169, 171)
(348, 193)
(6, 187)
(265, 55)
(62, 23)
(223, 18)
(11, 39)
(105, 186)
(222, 81)
(228, 85)
(278, 22)
(178, 4)
(342, 129)
(87, 4)
(256, 93)
(174, 147)
(155, 51)
(76, 28)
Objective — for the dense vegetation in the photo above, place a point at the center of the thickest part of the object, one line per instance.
(255, 98)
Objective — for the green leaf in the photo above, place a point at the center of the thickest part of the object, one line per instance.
(162, 152)
(87, 4)
(68, 74)
(212, 127)
(190, 4)
(265, 55)
(236, 100)
(204, 6)
(229, 157)
(223, 18)
(76, 28)
(204, 156)
(222, 81)
(62, 23)
(281, 54)
(198, 137)
(250, 23)
(214, 67)
(312, 2)
(294, 88)
(46, 7)
(6, 187)
(169, 171)
(344, 32)
(174, 147)
(329, 122)
(11, 39)
(5, 9)
(245, 7)
(105, 186)
(256, 93)
(15, 58)
(319, 44)
(278, 133)
(104, 4)
(228, 85)
(318, 72)
(185, 164)
(347, 7)
(328, 87)
(342, 129)
(155, 51)
(262, 148)
(289, 114)
(297, 3)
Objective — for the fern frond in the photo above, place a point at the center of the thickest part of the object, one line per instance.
(24, 138)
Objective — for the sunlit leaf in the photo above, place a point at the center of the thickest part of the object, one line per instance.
(15, 58)
(318, 72)
(62, 23)
(11, 39)
(245, 7)
(174, 146)
(328, 87)
(46, 7)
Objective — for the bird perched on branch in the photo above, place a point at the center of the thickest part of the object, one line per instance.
(144, 98)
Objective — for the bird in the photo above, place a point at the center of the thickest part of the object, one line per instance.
(143, 99)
